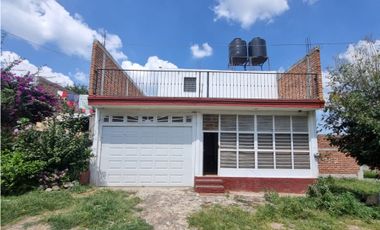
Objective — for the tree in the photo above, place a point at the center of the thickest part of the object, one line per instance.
(353, 108)
(78, 89)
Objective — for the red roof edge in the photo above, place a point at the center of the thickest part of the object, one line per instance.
(181, 101)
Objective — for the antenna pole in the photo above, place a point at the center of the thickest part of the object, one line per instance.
(104, 37)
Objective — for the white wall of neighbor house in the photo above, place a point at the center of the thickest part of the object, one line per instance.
(271, 170)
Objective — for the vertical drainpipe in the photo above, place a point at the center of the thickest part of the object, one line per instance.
(103, 73)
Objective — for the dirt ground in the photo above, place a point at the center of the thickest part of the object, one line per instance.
(168, 208)
(164, 208)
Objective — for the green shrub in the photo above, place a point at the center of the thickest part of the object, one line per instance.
(325, 196)
(373, 174)
(18, 173)
(359, 188)
(62, 145)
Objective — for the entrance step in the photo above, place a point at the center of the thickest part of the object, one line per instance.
(209, 188)
(208, 181)
(209, 185)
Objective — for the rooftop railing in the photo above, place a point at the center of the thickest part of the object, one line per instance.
(205, 84)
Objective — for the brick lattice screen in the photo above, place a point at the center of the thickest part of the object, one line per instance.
(116, 83)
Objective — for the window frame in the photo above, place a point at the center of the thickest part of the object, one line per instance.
(256, 148)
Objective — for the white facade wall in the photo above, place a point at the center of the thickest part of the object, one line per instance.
(197, 143)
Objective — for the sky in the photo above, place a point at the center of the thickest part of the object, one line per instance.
(55, 37)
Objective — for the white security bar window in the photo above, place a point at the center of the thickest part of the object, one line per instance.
(282, 141)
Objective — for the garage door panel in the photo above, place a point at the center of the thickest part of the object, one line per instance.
(147, 156)
(131, 164)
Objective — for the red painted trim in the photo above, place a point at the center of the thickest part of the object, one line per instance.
(255, 184)
(180, 101)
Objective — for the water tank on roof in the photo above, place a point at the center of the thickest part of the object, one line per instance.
(237, 52)
(257, 51)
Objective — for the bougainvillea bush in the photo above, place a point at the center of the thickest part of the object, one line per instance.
(30, 154)
(21, 98)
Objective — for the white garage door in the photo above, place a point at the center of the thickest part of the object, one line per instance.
(146, 156)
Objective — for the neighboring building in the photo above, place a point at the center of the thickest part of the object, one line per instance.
(335, 163)
(214, 130)
(78, 102)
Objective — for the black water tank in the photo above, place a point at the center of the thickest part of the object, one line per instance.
(237, 52)
(257, 51)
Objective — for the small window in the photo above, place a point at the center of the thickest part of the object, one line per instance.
(147, 119)
(228, 122)
(282, 123)
(264, 123)
(265, 141)
(117, 119)
(132, 119)
(246, 123)
(300, 124)
(163, 119)
(177, 119)
(188, 119)
(265, 160)
(106, 119)
(210, 122)
(190, 84)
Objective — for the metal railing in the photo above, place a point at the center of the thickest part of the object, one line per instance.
(205, 84)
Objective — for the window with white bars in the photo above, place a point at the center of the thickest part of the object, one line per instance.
(189, 84)
(261, 141)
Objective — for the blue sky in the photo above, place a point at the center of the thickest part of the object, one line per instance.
(59, 34)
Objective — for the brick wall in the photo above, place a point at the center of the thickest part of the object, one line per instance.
(332, 162)
(116, 83)
(293, 84)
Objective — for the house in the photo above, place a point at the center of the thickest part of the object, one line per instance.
(214, 130)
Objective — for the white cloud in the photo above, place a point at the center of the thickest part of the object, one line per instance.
(205, 50)
(26, 67)
(326, 84)
(153, 62)
(310, 2)
(81, 77)
(352, 54)
(247, 12)
(46, 21)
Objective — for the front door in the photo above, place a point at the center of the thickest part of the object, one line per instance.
(210, 153)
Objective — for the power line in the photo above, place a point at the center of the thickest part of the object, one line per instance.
(213, 44)
(37, 44)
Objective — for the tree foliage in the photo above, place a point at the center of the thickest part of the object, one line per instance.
(78, 89)
(353, 108)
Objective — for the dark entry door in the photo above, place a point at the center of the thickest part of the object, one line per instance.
(210, 153)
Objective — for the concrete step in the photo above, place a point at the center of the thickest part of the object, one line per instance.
(209, 188)
(208, 181)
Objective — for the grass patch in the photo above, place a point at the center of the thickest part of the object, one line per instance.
(360, 188)
(100, 209)
(33, 203)
(224, 217)
(78, 189)
(104, 209)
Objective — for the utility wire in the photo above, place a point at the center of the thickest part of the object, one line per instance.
(37, 44)
(213, 44)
